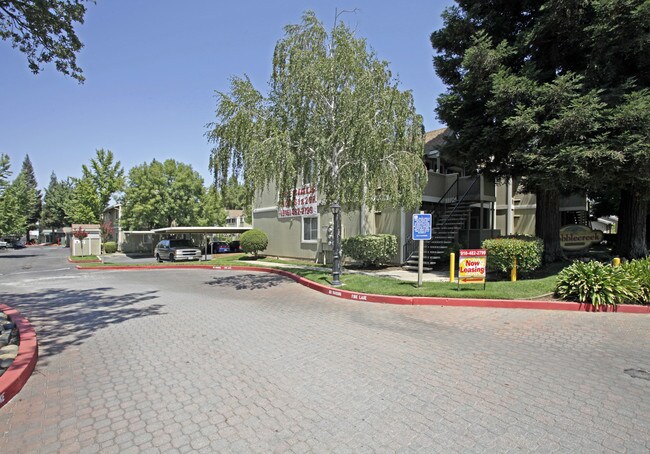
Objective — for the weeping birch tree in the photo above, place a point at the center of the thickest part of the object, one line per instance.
(334, 116)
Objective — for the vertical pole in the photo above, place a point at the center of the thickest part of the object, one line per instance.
(336, 271)
(420, 260)
(616, 261)
(452, 267)
(513, 271)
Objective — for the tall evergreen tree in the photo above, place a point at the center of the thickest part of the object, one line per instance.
(531, 93)
(29, 196)
(5, 171)
(56, 197)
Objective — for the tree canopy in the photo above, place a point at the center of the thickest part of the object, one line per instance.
(334, 117)
(91, 193)
(162, 194)
(44, 31)
(533, 91)
(12, 219)
(106, 174)
(29, 196)
(54, 203)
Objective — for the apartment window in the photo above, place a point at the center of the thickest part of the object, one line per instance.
(310, 230)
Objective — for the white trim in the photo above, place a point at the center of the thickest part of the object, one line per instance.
(302, 229)
(517, 207)
(265, 209)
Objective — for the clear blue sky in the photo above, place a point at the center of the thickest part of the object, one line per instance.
(152, 68)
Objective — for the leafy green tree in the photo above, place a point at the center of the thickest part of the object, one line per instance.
(12, 219)
(44, 31)
(83, 205)
(212, 211)
(56, 197)
(161, 195)
(29, 196)
(106, 175)
(334, 117)
(235, 195)
(525, 97)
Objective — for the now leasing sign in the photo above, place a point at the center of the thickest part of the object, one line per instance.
(472, 266)
(299, 202)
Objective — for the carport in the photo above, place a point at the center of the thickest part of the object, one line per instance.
(205, 233)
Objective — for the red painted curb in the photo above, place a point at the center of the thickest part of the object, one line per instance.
(407, 300)
(16, 376)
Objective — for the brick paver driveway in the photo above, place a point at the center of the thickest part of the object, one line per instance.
(212, 361)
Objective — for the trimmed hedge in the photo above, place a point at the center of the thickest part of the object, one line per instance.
(253, 241)
(372, 250)
(502, 251)
(110, 247)
(600, 284)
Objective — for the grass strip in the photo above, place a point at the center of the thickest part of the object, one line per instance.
(521, 289)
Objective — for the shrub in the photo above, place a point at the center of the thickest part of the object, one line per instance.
(253, 241)
(110, 247)
(598, 284)
(372, 250)
(640, 271)
(501, 253)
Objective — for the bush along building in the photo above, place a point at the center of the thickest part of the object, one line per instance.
(466, 209)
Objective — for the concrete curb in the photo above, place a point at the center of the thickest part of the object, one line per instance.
(20, 370)
(405, 300)
(83, 261)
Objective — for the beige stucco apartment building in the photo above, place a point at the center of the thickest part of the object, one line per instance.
(482, 208)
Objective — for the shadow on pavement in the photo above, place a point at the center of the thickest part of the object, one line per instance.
(65, 318)
(247, 281)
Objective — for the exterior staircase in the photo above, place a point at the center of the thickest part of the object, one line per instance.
(443, 235)
(449, 216)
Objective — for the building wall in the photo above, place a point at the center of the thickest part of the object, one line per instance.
(138, 242)
(524, 205)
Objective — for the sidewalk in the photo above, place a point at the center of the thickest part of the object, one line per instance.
(394, 272)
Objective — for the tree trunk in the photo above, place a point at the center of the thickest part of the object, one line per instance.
(647, 222)
(632, 217)
(547, 223)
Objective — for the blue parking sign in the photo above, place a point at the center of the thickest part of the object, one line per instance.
(421, 227)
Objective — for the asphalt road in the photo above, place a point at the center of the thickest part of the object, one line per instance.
(217, 361)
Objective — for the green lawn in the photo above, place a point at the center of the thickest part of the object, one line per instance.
(84, 258)
(522, 289)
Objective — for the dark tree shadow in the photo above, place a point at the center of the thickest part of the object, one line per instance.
(64, 318)
(18, 256)
(247, 281)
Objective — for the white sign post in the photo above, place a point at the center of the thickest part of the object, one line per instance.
(421, 232)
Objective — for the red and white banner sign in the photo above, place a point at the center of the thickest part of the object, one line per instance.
(299, 202)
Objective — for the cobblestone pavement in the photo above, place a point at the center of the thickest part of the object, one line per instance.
(213, 361)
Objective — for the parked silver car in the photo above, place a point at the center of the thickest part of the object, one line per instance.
(173, 250)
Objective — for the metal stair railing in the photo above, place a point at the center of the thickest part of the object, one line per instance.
(410, 245)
